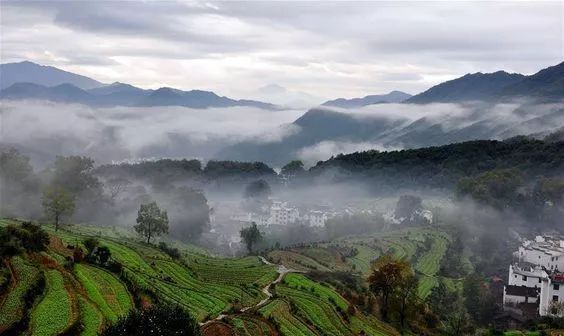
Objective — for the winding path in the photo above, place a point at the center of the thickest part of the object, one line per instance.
(282, 271)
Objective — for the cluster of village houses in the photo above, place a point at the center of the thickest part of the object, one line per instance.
(536, 278)
(281, 213)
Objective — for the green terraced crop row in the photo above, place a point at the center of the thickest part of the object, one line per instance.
(297, 261)
(299, 281)
(321, 313)
(239, 273)
(105, 290)
(53, 314)
(289, 324)
(363, 260)
(426, 284)
(11, 309)
(249, 326)
(91, 318)
(430, 262)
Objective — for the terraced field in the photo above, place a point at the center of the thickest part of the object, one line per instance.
(56, 311)
(297, 261)
(105, 290)
(363, 260)
(24, 275)
(279, 310)
(319, 306)
(409, 244)
(205, 286)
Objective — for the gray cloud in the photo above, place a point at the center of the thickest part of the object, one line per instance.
(328, 49)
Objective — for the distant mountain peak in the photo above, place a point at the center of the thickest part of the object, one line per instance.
(45, 75)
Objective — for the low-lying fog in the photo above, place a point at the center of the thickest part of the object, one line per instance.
(45, 129)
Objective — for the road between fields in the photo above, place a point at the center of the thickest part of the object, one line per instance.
(282, 271)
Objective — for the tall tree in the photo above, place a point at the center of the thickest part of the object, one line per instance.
(406, 298)
(75, 174)
(251, 236)
(57, 203)
(151, 221)
(386, 279)
(189, 213)
(19, 186)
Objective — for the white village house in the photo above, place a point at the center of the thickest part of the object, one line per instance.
(536, 279)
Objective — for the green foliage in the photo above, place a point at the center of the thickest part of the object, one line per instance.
(497, 188)
(387, 278)
(19, 185)
(160, 320)
(443, 166)
(478, 300)
(57, 202)
(74, 174)
(189, 213)
(90, 244)
(151, 221)
(173, 252)
(215, 169)
(251, 236)
(26, 237)
(293, 168)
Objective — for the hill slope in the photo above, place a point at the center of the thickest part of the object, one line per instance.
(29, 72)
(469, 87)
(392, 97)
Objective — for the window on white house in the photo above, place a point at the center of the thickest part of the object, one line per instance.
(555, 298)
(524, 278)
(540, 280)
(556, 287)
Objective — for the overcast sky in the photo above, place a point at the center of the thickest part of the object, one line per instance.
(328, 49)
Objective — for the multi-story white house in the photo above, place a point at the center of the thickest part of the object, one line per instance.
(537, 277)
(316, 218)
(282, 214)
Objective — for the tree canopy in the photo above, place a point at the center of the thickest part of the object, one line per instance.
(151, 221)
(251, 236)
(57, 203)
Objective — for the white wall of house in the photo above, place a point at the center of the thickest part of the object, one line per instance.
(531, 279)
(514, 299)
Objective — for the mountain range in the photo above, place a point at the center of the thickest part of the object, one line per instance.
(545, 85)
(392, 97)
(483, 106)
(495, 105)
(29, 72)
(27, 80)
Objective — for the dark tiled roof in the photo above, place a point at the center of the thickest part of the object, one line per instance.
(521, 291)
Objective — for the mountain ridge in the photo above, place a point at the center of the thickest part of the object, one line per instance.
(391, 97)
(96, 93)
